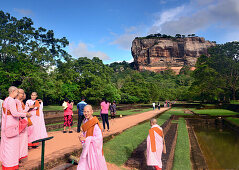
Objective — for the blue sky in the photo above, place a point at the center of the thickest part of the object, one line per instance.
(106, 28)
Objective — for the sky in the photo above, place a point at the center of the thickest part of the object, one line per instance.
(106, 28)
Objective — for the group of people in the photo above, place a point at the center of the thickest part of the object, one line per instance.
(105, 106)
(21, 125)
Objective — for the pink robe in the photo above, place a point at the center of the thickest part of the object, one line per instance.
(91, 157)
(154, 158)
(38, 128)
(23, 135)
(9, 150)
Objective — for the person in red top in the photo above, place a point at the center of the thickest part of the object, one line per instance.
(68, 115)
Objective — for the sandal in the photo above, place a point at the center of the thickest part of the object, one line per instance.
(71, 131)
(64, 131)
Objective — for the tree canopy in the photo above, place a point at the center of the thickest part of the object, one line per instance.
(35, 60)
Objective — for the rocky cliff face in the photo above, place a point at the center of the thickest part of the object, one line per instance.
(157, 54)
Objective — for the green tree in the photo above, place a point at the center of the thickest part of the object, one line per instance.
(224, 58)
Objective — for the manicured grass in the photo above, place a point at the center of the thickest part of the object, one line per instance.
(233, 120)
(119, 149)
(128, 112)
(209, 104)
(56, 108)
(124, 112)
(182, 150)
(234, 101)
(215, 112)
(176, 112)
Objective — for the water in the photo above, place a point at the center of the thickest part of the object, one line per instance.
(220, 145)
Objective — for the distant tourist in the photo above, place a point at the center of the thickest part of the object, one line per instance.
(104, 113)
(113, 110)
(38, 128)
(10, 141)
(68, 114)
(153, 105)
(92, 157)
(155, 145)
(80, 109)
(158, 105)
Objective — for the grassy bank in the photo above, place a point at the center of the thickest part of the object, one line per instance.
(122, 112)
(119, 149)
(182, 150)
(215, 112)
(233, 120)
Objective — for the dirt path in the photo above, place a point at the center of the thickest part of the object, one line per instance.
(63, 144)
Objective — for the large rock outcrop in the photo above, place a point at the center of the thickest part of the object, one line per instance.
(157, 54)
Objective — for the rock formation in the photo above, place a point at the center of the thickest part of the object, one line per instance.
(157, 54)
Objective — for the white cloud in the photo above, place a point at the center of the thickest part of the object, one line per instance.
(188, 18)
(196, 16)
(24, 12)
(81, 50)
(166, 16)
(124, 41)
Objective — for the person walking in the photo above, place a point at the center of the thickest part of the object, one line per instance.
(155, 145)
(80, 109)
(68, 115)
(153, 105)
(104, 113)
(91, 138)
(113, 110)
(158, 105)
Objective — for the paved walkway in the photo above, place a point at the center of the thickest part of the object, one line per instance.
(62, 144)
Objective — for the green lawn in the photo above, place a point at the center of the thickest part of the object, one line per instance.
(182, 151)
(56, 108)
(176, 111)
(234, 101)
(119, 149)
(233, 120)
(128, 112)
(215, 112)
(125, 112)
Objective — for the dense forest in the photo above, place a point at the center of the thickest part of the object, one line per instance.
(35, 60)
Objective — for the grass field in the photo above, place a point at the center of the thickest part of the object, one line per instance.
(124, 112)
(215, 112)
(233, 120)
(119, 149)
(182, 150)
(234, 101)
(56, 108)
(128, 112)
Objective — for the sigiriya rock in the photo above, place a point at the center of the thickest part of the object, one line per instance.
(159, 53)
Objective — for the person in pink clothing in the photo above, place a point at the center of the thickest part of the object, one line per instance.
(23, 135)
(38, 128)
(92, 157)
(104, 113)
(155, 145)
(68, 115)
(9, 150)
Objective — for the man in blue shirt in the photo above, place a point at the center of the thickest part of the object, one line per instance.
(80, 108)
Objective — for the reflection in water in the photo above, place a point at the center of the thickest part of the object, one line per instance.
(219, 145)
